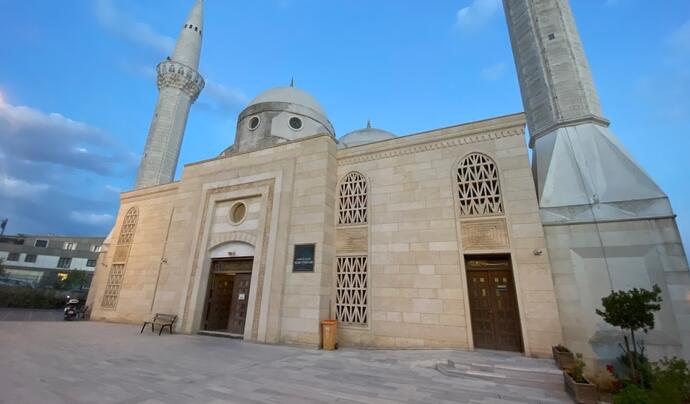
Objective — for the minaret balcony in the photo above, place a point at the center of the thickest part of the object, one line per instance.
(177, 75)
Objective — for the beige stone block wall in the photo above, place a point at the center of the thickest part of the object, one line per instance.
(417, 283)
(144, 261)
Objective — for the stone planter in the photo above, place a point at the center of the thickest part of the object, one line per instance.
(564, 359)
(582, 393)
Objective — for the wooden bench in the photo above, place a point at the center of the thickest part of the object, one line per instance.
(161, 319)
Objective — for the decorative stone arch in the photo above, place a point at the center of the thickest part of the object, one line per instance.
(240, 236)
(232, 249)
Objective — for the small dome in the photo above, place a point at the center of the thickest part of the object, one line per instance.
(290, 95)
(364, 136)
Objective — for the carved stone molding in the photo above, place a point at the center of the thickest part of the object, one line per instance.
(351, 240)
(176, 75)
(441, 144)
(484, 234)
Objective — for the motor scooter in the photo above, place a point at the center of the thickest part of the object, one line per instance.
(71, 311)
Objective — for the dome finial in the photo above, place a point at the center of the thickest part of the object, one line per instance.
(292, 81)
(368, 123)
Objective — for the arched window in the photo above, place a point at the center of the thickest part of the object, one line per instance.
(352, 204)
(479, 190)
(119, 261)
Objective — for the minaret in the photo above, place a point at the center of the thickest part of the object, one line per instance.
(179, 84)
(607, 224)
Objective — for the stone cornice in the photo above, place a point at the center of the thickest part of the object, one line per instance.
(481, 131)
(177, 75)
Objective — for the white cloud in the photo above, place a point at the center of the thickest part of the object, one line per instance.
(227, 98)
(126, 27)
(113, 189)
(16, 188)
(90, 218)
(494, 72)
(28, 134)
(679, 40)
(477, 14)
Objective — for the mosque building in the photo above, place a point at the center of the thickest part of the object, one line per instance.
(448, 238)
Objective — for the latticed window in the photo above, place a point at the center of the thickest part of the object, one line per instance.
(117, 271)
(128, 226)
(478, 187)
(352, 205)
(352, 298)
(112, 288)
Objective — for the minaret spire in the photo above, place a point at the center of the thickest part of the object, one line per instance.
(179, 84)
(188, 48)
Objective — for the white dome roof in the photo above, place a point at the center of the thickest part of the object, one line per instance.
(290, 95)
(366, 135)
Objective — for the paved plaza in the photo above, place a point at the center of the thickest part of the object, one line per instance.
(92, 362)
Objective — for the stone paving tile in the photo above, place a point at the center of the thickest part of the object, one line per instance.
(91, 362)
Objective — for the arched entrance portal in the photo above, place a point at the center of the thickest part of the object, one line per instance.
(227, 297)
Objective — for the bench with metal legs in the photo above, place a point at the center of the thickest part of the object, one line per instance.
(160, 319)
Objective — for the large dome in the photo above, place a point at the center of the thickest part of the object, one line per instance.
(364, 136)
(291, 95)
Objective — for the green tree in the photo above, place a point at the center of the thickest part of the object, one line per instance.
(632, 310)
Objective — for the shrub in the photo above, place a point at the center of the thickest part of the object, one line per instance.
(30, 298)
(632, 394)
(632, 310)
(670, 381)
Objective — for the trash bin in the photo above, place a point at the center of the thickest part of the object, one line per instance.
(328, 332)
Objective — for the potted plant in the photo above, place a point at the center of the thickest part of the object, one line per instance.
(576, 384)
(563, 356)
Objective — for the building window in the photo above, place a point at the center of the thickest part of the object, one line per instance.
(128, 227)
(30, 258)
(479, 191)
(253, 123)
(295, 123)
(352, 298)
(91, 263)
(64, 262)
(117, 269)
(69, 246)
(41, 243)
(238, 212)
(352, 204)
(96, 248)
(13, 256)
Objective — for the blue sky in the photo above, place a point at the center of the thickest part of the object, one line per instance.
(77, 88)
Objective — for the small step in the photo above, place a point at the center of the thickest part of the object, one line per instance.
(527, 377)
(221, 334)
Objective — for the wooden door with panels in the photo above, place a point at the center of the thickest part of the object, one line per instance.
(493, 303)
(218, 302)
(238, 307)
(228, 295)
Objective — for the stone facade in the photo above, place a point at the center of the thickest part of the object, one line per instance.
(413, 237)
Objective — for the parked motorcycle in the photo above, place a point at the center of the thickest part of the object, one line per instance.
(72, 309)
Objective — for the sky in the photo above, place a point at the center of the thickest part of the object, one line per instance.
(77, 84)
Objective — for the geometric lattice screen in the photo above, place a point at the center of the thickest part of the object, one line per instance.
(352, 205)
(352, 298)
(117, 271)
(478, 187)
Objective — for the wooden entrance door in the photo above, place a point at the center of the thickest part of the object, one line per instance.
(238, 306)
(218, 302)
(493, 304)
